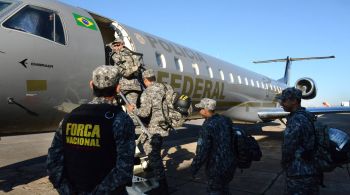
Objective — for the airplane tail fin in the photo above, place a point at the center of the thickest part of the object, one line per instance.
(288, 60)
(285, 78)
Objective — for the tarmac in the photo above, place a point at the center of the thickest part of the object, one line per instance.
(23, 171)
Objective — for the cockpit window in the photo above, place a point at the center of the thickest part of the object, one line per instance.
(3, 5)
(41, 22)
(59, 33)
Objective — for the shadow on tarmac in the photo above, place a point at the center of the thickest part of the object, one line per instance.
(22, 173)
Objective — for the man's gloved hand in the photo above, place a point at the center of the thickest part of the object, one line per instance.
(130, 107)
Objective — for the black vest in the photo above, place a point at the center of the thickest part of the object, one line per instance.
(89, 146)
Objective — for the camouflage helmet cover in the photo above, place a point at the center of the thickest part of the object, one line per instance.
(105, 76)
(206, 103)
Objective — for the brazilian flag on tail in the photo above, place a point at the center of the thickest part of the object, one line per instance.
(85, 21)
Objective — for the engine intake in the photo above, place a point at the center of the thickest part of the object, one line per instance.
(307, 86)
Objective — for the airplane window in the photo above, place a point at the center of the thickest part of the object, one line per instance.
(37, 21)
(257, 84)
(222, 74)
(3, 5)
(239, 79)
(210, 71)
(231, 78)
(59, 33)
(195, 69)
(246, 81)
(178, 64)
(161, 60)
(252, 82)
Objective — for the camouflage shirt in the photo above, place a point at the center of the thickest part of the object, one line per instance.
(126, 61)
(214, 147)
(122, 173)
(151, 106)
(299, 140)
(127, 64)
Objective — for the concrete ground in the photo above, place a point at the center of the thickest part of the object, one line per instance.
(22, 162)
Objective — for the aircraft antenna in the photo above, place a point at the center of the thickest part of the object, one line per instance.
(288, 61)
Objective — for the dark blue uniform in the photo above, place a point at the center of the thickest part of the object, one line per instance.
(297, 154)
(85, 143)
(214, 148)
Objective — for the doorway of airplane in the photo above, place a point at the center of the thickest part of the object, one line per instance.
(110, 30)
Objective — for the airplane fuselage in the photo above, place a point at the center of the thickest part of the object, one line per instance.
(45, 75)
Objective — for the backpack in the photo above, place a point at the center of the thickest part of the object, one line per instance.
(322, 155)
(173, 118)
(245, 147)
(340, 146)
(331, 147)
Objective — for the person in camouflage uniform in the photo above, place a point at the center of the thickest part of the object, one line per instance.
(95, 166)
(214, 147)
(151, 106)
(128, 65)
(178, 108)
(298, 145)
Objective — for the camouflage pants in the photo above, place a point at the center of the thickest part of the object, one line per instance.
(152, 148)
(132, 98)
(302, 186)
(218, 184)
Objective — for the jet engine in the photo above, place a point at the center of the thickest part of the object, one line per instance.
(307, 86)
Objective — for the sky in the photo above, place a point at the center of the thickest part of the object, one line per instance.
(242, 31)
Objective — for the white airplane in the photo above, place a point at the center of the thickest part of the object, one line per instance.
(48, 50)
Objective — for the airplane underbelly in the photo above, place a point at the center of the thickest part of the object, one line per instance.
(21, 121)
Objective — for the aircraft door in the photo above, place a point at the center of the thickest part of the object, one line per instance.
(110, 30)
(123, 34)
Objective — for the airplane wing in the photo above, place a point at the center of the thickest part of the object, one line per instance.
(277, 113)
